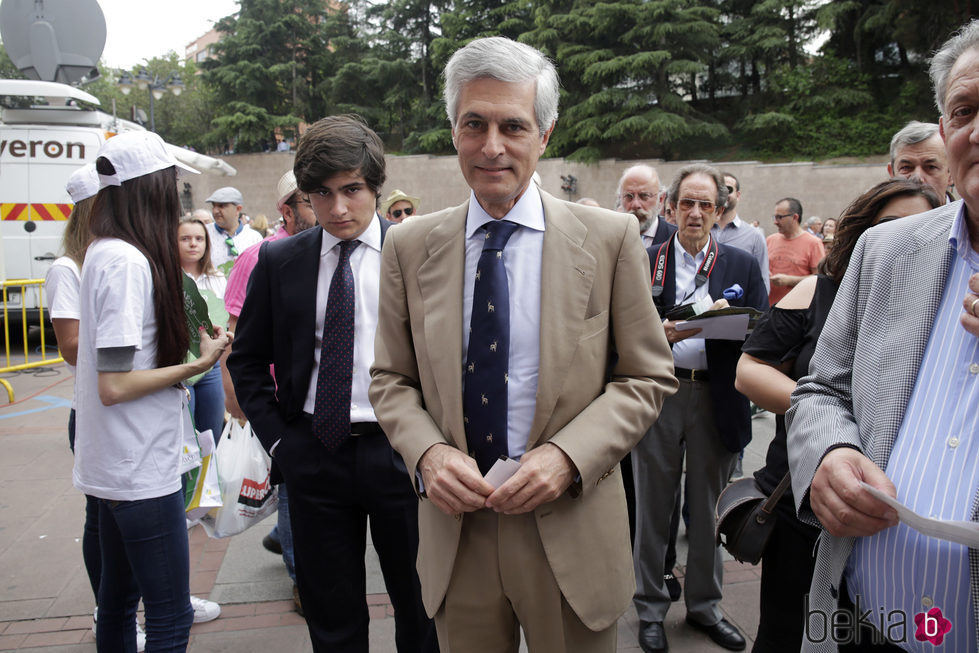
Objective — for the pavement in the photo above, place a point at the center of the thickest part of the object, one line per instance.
(46, 602)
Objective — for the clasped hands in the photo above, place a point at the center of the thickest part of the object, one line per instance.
(455, 485)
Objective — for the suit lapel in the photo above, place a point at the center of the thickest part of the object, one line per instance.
(440, 285)
(567, 275)
(294, 275)
(916, 289)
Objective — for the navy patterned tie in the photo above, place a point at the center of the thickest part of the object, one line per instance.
(484, 397)
(331, 412)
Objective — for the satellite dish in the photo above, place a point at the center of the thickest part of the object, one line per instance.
(54, 40)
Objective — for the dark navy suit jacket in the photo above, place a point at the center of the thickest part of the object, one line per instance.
(732, 414)
(277, 326)
(664, 230)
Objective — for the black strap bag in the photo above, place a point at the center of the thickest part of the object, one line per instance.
(745, 516)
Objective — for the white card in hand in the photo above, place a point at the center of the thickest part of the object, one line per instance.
(501, 470)
(965, 533)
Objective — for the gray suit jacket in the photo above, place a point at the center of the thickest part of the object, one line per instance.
(864, 370)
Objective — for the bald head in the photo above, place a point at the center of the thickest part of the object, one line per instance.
(638, 193)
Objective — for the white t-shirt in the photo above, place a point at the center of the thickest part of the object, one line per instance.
(216, 283)
(129, 451)
(61, 289)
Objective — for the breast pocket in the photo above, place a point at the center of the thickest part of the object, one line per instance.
(594, 325)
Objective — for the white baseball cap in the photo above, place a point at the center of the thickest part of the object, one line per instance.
(83, 183)
(137, 153)
(285, 188)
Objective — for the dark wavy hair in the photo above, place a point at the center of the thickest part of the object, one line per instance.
(338, 144)
(862, 214)
(144, 213)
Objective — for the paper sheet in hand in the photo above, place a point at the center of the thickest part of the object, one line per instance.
(501, 470)
(720, 327)
(960, 532)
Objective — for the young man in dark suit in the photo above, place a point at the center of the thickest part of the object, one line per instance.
(311, 312)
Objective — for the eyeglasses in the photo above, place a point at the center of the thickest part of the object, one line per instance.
(297, 200)
(706, 206)
(779, 216)
(397, 212)
(730, 189)
(232, 250)
(643, 197)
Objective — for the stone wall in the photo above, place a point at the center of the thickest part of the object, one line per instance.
(823, 189)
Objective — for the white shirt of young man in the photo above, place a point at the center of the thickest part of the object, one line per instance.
(365, 263)
(131, 450)
(522, 258)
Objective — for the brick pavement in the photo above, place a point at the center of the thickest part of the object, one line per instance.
(45, 601)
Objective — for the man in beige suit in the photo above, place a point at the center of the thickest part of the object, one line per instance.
(587, 369)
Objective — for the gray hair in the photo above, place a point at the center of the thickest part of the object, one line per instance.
(699, 168)
(943, 61)
(813, 219)
(504, 60)
(913, 132)
(643, 168)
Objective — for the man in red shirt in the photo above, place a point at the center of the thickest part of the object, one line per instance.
(793, 254)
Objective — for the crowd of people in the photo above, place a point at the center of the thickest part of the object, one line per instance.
(509, 394)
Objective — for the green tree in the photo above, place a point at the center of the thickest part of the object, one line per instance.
(629, 69)
(262, 76)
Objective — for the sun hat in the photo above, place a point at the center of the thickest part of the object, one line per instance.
(397, 196)
(285, 189)
(226, 195)
(83, 183)
(134, 154)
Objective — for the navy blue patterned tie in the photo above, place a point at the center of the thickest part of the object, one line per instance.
(331, 412)
(484, 397)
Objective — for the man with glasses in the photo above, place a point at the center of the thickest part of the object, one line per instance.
(399, 206)
(692, 267)
(793, 253)
(731, 230)
(639, 194)
(229, 234)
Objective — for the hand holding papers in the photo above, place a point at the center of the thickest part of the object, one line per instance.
(501, 470)
(965, 533)
(730, 323)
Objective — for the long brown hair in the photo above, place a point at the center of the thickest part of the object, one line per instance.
(862, 215)
(78, 231)
(204, 266)
(143, 212)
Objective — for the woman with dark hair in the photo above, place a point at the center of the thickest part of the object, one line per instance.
(774, 357)
(132, 342)
(207, 394)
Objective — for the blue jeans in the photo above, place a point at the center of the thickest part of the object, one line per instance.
(284, 530)
(144, 552)
(207, 402)
(91, 552)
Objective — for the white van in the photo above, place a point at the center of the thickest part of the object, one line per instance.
(48, 130)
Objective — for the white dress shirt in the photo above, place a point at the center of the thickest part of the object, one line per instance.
(365, 262)
(689, 353)
(522, 259)
(649, 234)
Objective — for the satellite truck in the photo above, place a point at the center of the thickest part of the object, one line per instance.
(49, 127)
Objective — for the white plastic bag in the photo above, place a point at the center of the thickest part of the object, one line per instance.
(202, 491)
(243, 471)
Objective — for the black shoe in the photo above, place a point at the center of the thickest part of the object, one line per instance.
(723, 633)
(672, 586)
(272, 544)
(652, 637)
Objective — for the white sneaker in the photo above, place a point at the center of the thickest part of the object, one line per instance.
(204, 610)
(140, 633)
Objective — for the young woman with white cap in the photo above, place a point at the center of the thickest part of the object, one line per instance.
(132, 342)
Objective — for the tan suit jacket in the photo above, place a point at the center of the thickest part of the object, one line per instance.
(595, 301)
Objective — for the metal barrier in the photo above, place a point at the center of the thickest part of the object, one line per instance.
(24, 284)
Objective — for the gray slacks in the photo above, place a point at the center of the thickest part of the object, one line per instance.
(687, 419)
